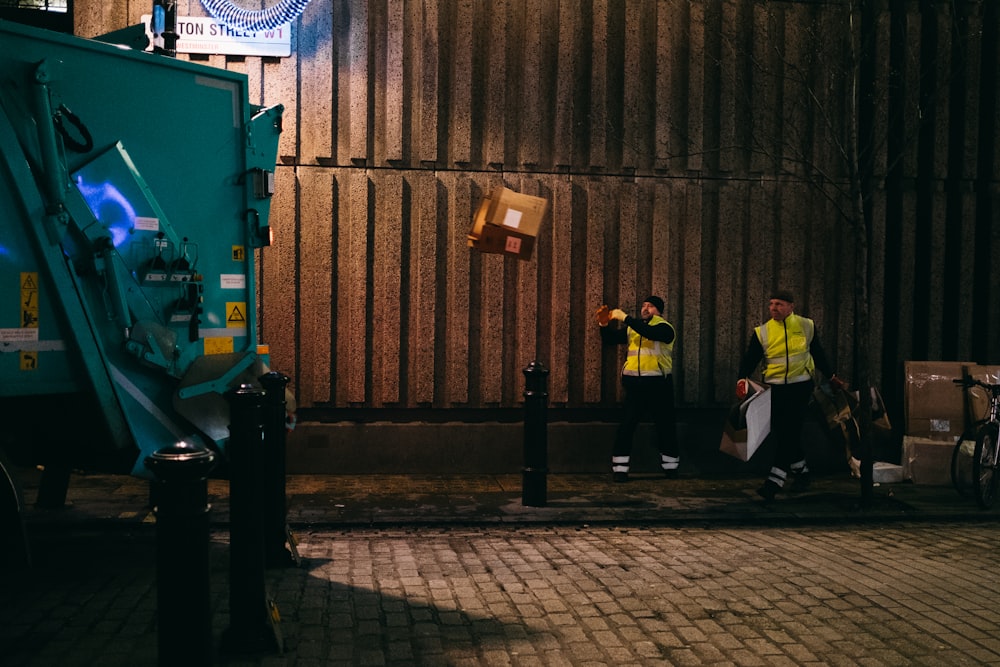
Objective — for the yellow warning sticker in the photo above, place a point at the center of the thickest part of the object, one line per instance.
(236, 313)
(29, 299)
(239, 253)
(218, 345)
(29, 316)
(29, 361)
(29, 319)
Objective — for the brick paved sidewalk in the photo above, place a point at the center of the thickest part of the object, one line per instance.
(519, 595)
(457, 570)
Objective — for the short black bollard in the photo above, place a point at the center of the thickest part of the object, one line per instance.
(184, 615)
(276, 533)
(253, 623)
(536, 447)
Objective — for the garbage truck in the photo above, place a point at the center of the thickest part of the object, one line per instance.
(135, 189)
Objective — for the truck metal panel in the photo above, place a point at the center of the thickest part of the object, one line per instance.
(134, 189)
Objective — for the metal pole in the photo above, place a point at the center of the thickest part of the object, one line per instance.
(184, 615)
(253, 626)
(276, 529)
(536, 397)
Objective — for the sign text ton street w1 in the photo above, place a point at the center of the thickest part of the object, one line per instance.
(208, 36)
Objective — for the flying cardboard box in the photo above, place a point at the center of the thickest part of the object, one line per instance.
(522, 213)
(507, 222)
(501, 240)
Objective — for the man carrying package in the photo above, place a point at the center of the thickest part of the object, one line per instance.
(790, 350)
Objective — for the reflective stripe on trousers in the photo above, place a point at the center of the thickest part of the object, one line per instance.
(621, 463)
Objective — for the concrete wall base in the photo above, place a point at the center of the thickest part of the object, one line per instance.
(425, 448)
(498, 448)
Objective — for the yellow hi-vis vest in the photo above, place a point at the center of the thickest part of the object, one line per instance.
(648, 357)
(786, 349)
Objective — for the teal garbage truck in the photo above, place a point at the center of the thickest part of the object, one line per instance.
(134, 191)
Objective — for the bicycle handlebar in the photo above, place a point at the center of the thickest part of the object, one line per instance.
(973, 382)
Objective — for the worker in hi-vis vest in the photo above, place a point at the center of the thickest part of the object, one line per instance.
(790, 352)
(647, 381)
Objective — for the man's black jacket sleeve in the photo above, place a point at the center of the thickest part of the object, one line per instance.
(662, 332)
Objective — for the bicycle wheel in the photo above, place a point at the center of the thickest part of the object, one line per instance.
(984, 466)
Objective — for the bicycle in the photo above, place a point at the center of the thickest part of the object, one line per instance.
(986, 451)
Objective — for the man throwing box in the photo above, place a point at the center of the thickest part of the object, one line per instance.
(647, 381)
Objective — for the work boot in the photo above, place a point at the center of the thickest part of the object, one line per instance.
(800, 484)
(619, 477)
(768, 490)
(670, 474)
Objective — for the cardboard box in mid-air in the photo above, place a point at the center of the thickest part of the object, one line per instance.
(507, 222)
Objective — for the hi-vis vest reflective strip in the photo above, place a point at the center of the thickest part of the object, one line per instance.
(786, 349)
(648, 357)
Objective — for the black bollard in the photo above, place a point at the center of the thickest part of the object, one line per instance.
(184, 615)
(536, 447)
(276, 533)
(252, 623)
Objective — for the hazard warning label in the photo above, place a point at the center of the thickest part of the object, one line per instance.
(29, 316)
(29, 299)
(236, 313)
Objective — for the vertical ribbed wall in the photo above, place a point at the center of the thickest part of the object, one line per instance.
(681, 152)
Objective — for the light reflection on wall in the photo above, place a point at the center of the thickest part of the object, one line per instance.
(110, 207)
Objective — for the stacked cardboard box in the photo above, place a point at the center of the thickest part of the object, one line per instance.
(927, 461)
(934, 404)
(935, 416)
(979, 398)
(507, 222)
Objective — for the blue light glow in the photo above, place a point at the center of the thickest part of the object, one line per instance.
(110, 207)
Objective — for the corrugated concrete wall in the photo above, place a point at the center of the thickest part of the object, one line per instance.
(688, 148)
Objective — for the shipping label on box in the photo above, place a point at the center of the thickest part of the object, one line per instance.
(936, 429)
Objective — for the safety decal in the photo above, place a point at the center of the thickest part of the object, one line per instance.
(236, 314)
(218, 345)
(239, 253)
(29, 361)
(232, 281)
(29, 300)
(29, 315)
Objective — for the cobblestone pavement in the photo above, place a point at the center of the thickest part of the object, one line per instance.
(900, 593)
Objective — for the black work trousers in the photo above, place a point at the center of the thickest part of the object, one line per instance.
(789, 403)
(651, 398)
